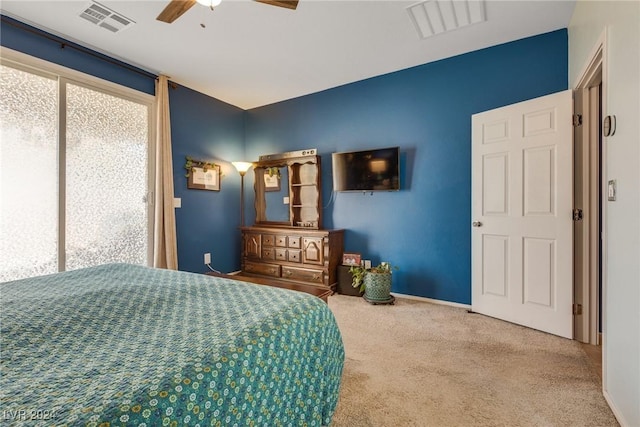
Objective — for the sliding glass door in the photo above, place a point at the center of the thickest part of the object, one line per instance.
(106, 179)
(28, 174)
(75, 162)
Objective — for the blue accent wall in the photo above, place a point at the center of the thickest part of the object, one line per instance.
(424, 229)
(207, 129)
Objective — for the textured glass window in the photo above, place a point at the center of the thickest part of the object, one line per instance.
(28, 174)
(106, 217)
(106, 179)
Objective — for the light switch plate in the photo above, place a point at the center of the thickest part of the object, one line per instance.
(177, 202)
(611, 190)
(285, 200)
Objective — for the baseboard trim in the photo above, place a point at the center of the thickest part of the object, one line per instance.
(432, 301)
(412, 297)
(614, 409)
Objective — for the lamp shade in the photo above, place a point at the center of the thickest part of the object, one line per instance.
(242, 167)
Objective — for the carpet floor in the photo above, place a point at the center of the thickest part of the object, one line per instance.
(421, 364)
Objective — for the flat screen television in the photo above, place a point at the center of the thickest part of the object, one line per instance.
(369, 170)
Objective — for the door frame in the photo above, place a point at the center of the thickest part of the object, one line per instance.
(586, 198)
(594, 72)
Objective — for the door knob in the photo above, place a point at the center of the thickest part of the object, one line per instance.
(476, 224)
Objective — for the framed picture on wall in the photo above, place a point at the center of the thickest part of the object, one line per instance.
(201, 179)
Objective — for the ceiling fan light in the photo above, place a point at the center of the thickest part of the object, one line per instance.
(209, 3)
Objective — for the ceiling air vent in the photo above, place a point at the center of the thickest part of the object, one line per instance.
(432, 17)
(106, 18)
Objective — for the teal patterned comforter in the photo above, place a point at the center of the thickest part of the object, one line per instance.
(128, 345)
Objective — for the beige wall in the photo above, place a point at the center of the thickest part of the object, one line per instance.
(619, 21)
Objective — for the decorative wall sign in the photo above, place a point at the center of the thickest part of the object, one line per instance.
(202, 175)
(204, 179)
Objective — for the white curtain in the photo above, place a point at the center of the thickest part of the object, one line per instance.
(165, 249)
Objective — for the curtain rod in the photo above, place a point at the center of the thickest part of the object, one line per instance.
(64, 43)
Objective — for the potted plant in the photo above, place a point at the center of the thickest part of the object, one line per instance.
(375, 281)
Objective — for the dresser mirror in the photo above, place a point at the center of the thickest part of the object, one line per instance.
(287, 190)
(275, 189)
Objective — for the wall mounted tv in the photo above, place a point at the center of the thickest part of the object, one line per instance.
(370, 170)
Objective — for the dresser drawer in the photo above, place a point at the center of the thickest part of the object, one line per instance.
(281, 241)
(302, 274)
(268, 253)
(294, 256)
(268, 239)
(294, 242)
(272, 270)
(281, 254)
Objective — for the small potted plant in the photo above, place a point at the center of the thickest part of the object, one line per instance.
(375, 281)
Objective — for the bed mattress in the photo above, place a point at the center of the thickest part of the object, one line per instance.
(120, 344)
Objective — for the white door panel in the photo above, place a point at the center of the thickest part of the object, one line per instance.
(522, 180)
(494, 274)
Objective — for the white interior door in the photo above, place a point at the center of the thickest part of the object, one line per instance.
(522, 235)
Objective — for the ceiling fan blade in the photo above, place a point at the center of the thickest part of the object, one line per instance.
(289, 4)
(174, 10)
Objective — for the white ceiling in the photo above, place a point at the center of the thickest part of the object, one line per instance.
(251, 54)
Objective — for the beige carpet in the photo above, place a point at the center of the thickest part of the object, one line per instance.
(421, 364)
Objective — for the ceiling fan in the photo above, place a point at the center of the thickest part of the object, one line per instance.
(176, 8)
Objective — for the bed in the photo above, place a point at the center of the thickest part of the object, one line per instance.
(121, 344)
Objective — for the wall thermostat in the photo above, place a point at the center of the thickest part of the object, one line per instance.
(609, 126)
(611, 191)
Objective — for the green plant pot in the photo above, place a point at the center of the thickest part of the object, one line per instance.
(377, 287)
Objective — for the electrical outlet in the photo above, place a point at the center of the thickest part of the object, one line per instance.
(207, 258)
(367, 263)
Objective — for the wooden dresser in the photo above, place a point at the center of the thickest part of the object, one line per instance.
(300, 255)
(287, 243)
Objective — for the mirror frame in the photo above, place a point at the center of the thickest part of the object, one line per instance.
(260, 202)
